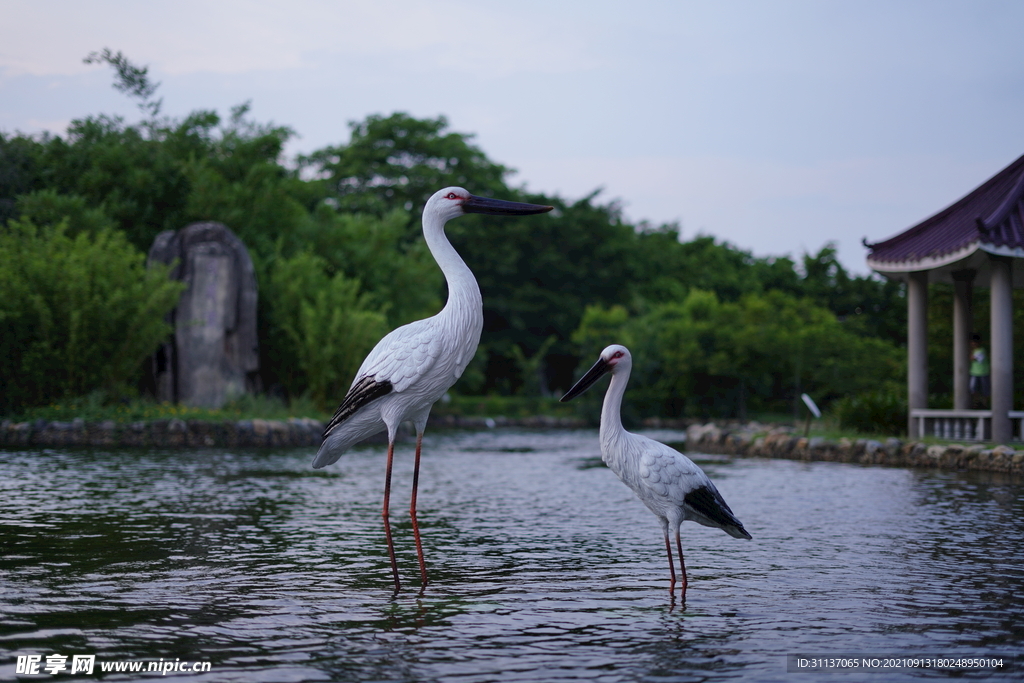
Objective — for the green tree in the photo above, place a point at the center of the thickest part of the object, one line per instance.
(398, 275)
(131, 80)
(157, 176)
(19, 171)
(328, 323)
(600, 327)
(236, 176)
(48, 208)
(869, 305)
(78, 314)
(700, 308)
(133, 177)
(537, 276)
(702, 262)
(397, 162)
(707, 357)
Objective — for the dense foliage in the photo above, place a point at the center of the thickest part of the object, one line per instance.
(78, 314)
(328, 323)
(340, 259)
(703, 356)
(881, 410)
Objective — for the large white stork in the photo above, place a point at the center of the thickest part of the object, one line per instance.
(413, 366)
(669, 483)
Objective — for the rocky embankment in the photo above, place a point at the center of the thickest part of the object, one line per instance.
(753, 439)
(757, 440)
(177, 433)
(172, 433)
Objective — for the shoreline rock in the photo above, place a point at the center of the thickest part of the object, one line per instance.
(747, 440)
(755, 440)
(173, 433)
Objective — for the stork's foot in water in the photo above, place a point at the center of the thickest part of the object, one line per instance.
(419, 552)
(384, 514)
(682, 566)
(391, 551)
(412, 513)
(671, 566)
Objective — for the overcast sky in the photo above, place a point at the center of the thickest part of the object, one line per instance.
(777, 126)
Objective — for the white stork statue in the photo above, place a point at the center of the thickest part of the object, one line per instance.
(668, 483)
(413, 366)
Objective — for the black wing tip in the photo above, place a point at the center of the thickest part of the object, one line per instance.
(708, 502)
(363, 391)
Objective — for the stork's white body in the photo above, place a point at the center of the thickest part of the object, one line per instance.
(660, 476)
(671, 485)
(413, 366)
(421, 360)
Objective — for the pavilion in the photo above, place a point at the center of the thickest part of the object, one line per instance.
(976, 242)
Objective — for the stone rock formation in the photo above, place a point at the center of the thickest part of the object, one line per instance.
(213, 354)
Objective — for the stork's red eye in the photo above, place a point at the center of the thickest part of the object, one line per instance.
(617, 354)
(451, 195)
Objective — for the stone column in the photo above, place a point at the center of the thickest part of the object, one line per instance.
(917, 346)
(213, 354)
(963, 290)
(1001, 348)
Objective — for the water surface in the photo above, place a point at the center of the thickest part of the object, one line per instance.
(543, 566)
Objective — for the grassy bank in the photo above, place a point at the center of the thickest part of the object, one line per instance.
(96, 408)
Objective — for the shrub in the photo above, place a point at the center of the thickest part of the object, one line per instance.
(327, 322)
(76, 314)
(876, 412)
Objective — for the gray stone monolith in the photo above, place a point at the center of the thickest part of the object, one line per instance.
(213, 354)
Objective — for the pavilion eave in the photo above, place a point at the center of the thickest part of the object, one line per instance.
(973, 257)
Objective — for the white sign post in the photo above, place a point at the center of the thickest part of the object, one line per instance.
(812, 407)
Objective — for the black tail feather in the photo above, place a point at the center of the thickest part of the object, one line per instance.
(707, 502)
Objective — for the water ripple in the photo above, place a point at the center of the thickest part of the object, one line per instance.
(543, 566)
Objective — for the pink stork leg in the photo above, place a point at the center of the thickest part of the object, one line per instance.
(387, 524)
(671, 565)
(412, 511)
(682, 563)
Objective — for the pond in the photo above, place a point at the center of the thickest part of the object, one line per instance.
(543, 567)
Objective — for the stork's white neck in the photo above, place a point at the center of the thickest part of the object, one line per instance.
(611, 411)
(463, 291)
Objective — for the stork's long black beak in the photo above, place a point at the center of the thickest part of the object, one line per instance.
(586, 381)
(500, 207)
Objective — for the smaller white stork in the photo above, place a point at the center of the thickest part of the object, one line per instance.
(668, 483)
(414, 365)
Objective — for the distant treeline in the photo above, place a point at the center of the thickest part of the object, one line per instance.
(335, 238)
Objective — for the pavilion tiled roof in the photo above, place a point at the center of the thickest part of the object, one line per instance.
(991, 218)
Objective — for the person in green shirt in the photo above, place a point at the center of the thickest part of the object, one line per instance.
(979, 372)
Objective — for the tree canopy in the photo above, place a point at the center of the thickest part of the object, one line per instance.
(340, 259)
